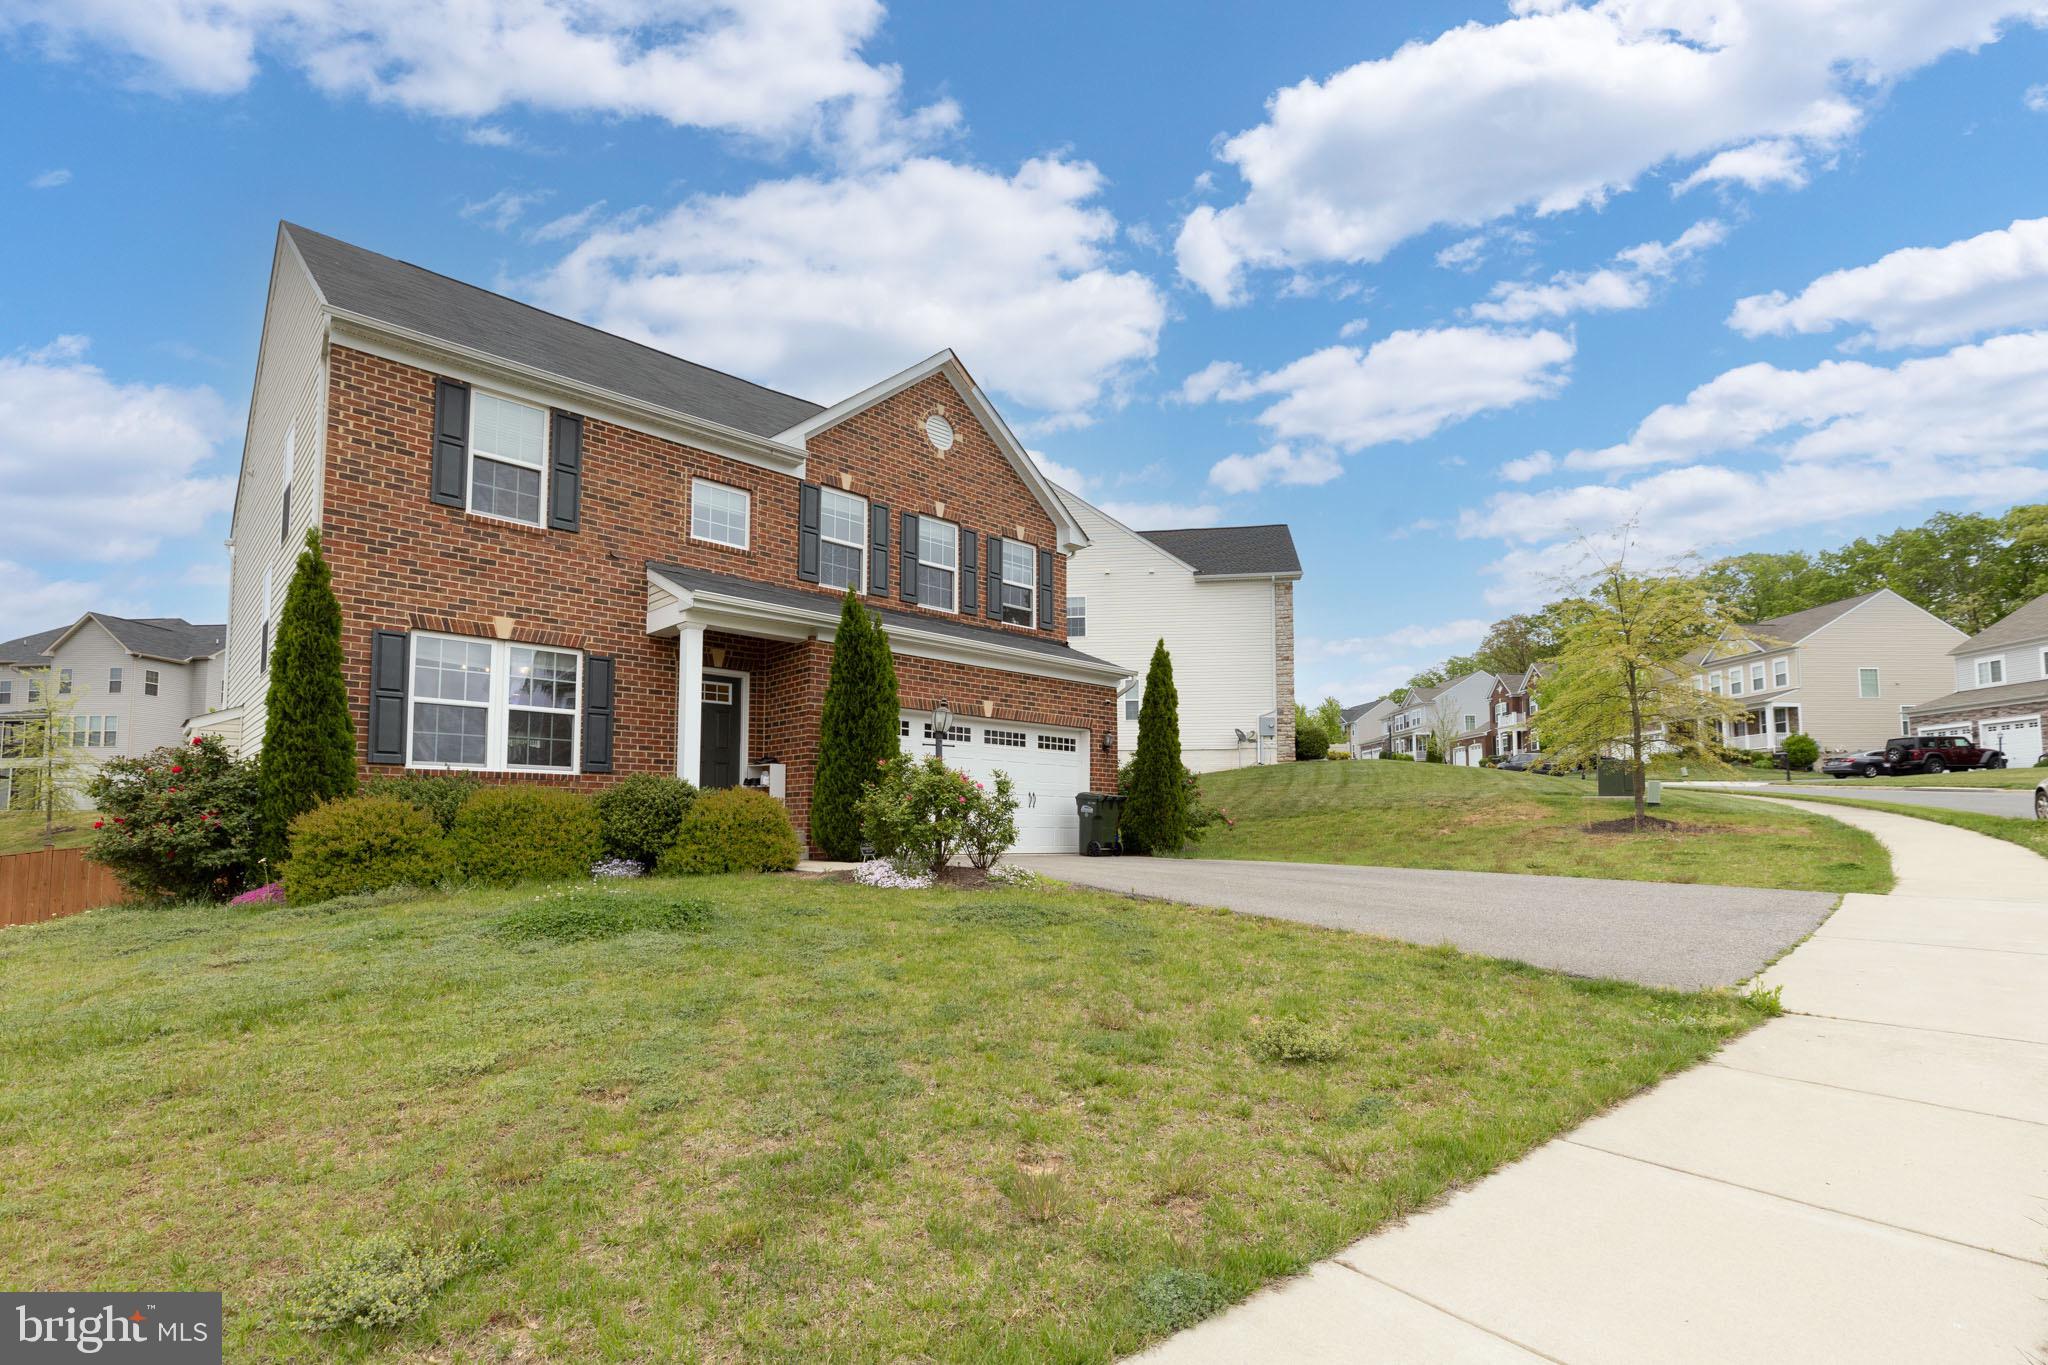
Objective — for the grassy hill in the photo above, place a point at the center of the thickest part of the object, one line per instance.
(21, 831)
(1475, 819)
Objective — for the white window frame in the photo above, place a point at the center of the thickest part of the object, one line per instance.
(1989, 661)
(153, 681)
(497, 708)
(114, 681)
(1735, 682)
(1756, 677)
(954, 568)
(1714, 683)
(860, 576)
(746, 540)
(6, 691)
(1031, 588)
(1876, 692)
(470, 457)
(1077, 615)
(1781, 671)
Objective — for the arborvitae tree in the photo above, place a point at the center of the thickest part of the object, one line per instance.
(857, 729)
(309, 742)
(1156, 806)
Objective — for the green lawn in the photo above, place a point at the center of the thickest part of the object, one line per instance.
(828, 1123)
(1474, 819)
(21, 831)
(2028, 834)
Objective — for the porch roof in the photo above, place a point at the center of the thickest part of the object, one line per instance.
(769, 608)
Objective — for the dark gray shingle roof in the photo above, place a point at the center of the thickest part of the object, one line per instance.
(1352, 713)
(1977, 698)
(2028, 623)
(827, 603)
(1795, 626)
(1231, 549)
(157, 637)
(360, 281)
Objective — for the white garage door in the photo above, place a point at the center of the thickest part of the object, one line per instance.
(2018, 736)
(1047, 765)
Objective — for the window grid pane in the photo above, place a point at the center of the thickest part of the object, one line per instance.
(842, 517)
(506, 430)
(505, 490)
(451, 670)
(934, 586)
(938, 543)
(719, 514)
(449, 734)
(540, 739)
(839, 566)
(544, 679)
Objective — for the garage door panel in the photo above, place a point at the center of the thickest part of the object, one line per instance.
(2018, 737)
(1047, 767)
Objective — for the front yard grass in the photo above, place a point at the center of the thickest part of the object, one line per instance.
(21, 831)
(795, 1121)
(1383, 814)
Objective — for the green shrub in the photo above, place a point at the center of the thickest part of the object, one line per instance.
(734, 829)
(1199, 814)
(1801, 752)
(309, 741)
(918, 813)
(1173, 1299)
(593, 912)
(639, 817)
(362, 843)
(1396, 758)
(178, 823)
(856, 727)
(382, 1281)
(438, 794)
(525, 833)
(1156, 810)
(1294, 1042)
(1311, 744)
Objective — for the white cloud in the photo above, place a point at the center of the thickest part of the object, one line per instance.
(823, 286)
(1065, 475)
(1163, 516)
(1408, 385)
(1530, 466)
(50, 180)
(1919, 296)
(1359, 668)
(1275, 464)
(782, 71)
(1759, 166)
(1798, 450)
(503, 209)
(490, 135)
(103, 470)
(1557, 108)
(2036, 98)
(1628, 283)
(568, 225)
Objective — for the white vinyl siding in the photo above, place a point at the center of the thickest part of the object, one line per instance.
(842, 540)
(720, 514)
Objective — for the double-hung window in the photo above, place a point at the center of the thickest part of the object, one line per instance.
(63, 682)
(6, 693)
(493, 705)
(1756, 677)
(842, 540)
(152, 681)
(938, 564)
(1990, 672)
(1077, 617)
(113, 682)
(1020, 584)
(718, 513)
(1781, 672)
(507, 458)
(1866, 684)
(1734, 682)
(1714, 683)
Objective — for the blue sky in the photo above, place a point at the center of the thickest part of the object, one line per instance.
(1451, 290)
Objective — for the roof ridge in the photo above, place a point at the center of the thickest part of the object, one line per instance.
(291, 227)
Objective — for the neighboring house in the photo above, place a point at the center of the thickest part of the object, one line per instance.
(1456, 715)
(1365, 726)
(563, 556)
(2001, 688)
(1514, 709)
(1222, 597)
(133, 681)
(1844, 672)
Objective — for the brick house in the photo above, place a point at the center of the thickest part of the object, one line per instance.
(2001, 688)
(563, 556)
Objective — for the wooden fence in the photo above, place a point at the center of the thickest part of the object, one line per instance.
(52, 882)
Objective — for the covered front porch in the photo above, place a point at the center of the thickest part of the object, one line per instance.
(1764, 728)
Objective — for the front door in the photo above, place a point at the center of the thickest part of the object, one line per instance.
(718, 763)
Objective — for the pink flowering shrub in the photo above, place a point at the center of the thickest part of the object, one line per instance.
(919, 814)
(271, 894)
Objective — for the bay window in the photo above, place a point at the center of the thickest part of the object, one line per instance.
(507, 458)
(493, 705)
(842, 540)
(938, 564)
(1020, 584)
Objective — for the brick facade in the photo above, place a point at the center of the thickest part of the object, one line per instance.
(401, 561)
(1971, 715)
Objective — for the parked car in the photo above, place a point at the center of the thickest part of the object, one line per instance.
(1520, 762)
(1938, 754)
(1869, 763)
(2041, 800)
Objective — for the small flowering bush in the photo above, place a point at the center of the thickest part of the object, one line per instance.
(1009, 874)
(606, 869)
(881, 872)
(177, 823)
(270, 894)
(918, 814)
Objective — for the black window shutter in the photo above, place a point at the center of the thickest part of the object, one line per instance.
(387, 696)
(284, 524)
(807, 510)
(970, 570)
(878, 549)
(995, 578)
(451, 441)
(597, 713)
(908, 555)
(565, 489)
(1045, 613)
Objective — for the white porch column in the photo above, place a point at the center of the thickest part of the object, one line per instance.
(690, 703)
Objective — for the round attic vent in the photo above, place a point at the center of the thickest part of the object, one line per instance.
(939, 432)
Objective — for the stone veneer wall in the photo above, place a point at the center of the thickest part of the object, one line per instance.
(1283, 669)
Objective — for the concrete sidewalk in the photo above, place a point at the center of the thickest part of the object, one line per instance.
(1865, 1179)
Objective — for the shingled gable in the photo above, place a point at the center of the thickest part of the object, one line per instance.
(1072, 537)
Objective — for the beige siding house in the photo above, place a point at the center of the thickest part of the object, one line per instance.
(1222, 598)
(1844, 673)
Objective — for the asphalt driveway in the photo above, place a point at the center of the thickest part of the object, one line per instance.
(1982, 800)
(1654, 933)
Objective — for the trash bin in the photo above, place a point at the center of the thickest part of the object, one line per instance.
(1615, 779)
(1100, 814)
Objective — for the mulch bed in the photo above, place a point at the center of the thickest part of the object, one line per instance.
(1651, 825)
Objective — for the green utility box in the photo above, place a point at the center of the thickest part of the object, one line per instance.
(1101, 812)
(1614, 778)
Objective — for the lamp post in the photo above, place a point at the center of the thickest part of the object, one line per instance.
(942, 720)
